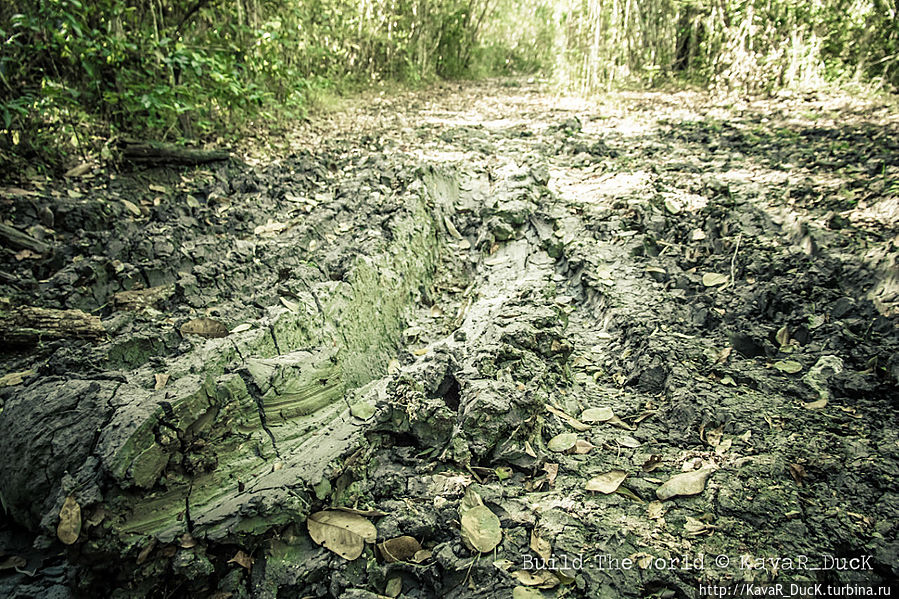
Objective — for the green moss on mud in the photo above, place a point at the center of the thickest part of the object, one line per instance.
(221, 441)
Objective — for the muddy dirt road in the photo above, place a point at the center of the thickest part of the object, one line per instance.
(474, 341)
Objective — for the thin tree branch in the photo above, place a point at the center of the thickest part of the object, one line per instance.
(189, 14)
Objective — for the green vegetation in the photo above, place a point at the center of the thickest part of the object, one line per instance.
(757, 45)
(74, 73)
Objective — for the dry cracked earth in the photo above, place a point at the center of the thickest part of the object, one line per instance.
(472, 341)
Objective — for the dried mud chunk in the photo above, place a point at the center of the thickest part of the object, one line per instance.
(192, 564)
(841, 307)
(139, 299)
(513, 212)
(48, 414)
(502, 231)
(652, 378)
(746, 345)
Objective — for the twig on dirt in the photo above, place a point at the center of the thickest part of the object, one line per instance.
(470, 566)
(474, 474)
(733, 261)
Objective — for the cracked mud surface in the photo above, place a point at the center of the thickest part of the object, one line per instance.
(421, 296)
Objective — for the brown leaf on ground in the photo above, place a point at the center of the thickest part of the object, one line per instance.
(204, 327)
(552, 471)
(540, 546)
(69, 527)
(687, 483)
(399, 549)
(242, 559)
(344, 533)
(161, 380)
(606, 483)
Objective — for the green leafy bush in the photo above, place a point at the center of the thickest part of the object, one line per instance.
(74, 73)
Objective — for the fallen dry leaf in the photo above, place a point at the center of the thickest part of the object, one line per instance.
(451, 228)
(481, 529)
(552, 471)
(572, 422)
(583, 447)
(11, 379)
(269, 229)
(145, 552)
(69, 527)
(616, 421)
(13, 561)
(541, 579)
(815, 405)
(77, 171)
(695, 527)
(713, 437)
(643, 560)
(687, 483)
(242, 559)
(343, 533)
(562, 443)
(713, 279)
(25, 255)
(788, 366)
(526, 593)
(292, 306)
(131, 207)
(782, 336)
(597, 415)
(161, 380)
(394, 587)
(204, 327)
(540, 546)
(627, 441)
(723, 355)
(399, 549)
(724, 446)
(606, 483)
(798, 473)
(652, 462)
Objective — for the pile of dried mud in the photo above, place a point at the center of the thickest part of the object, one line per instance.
(490, 344)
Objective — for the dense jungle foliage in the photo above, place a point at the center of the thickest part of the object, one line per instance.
(75, 73)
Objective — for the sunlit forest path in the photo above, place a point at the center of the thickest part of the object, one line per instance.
(496, 341)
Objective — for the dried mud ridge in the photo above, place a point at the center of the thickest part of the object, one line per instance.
(542, 300)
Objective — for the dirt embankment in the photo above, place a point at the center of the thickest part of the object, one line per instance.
(536, 347)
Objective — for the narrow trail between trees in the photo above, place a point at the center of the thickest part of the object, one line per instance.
(532, 346)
